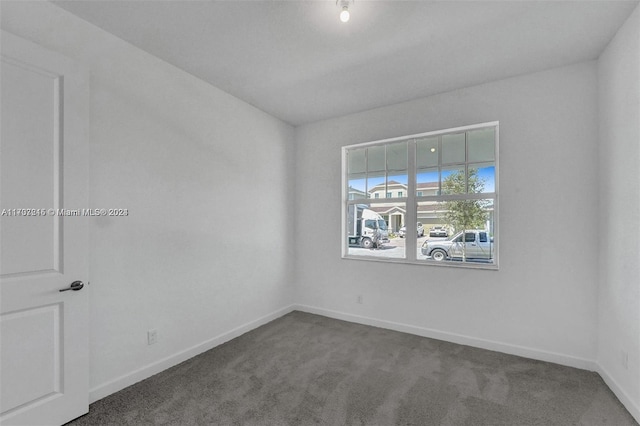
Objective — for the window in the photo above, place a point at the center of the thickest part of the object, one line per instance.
(370, 223)
(446, 184)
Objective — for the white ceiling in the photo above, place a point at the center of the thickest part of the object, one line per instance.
(298, 62)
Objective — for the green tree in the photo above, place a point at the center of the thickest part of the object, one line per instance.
(464, 214)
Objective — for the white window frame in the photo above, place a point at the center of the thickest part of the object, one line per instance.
(411, 201)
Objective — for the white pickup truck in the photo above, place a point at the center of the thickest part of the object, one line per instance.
(477, 245)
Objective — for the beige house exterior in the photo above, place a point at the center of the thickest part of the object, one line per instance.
(394, 213)
(381, 200)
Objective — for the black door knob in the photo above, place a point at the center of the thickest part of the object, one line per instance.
(75, 286)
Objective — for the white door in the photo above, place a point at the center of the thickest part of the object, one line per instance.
(44, 362)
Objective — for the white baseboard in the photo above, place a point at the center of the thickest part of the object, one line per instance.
(149, 370)
(571, 361)
(631, 405)
(523, 351)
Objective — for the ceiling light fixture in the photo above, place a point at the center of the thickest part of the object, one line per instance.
(344, 14)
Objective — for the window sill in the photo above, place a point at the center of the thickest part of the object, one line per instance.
(426, 262)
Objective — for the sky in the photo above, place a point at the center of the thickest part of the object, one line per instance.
(486, 173)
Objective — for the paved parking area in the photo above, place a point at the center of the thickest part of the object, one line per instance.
(394, 249)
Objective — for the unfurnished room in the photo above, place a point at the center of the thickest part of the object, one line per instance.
(330, 212)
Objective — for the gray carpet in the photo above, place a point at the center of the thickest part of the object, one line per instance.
(305, 369)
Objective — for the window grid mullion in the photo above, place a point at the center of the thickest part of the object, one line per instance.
(411, 222)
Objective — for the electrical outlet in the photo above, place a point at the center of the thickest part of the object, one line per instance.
(359, 299)
(624, 359)
(152, 337)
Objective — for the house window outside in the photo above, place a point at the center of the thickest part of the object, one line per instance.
(454, 176)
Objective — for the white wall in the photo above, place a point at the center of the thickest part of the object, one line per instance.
(183, 157)
(207, 179)
(618, 242)
(542, 302)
